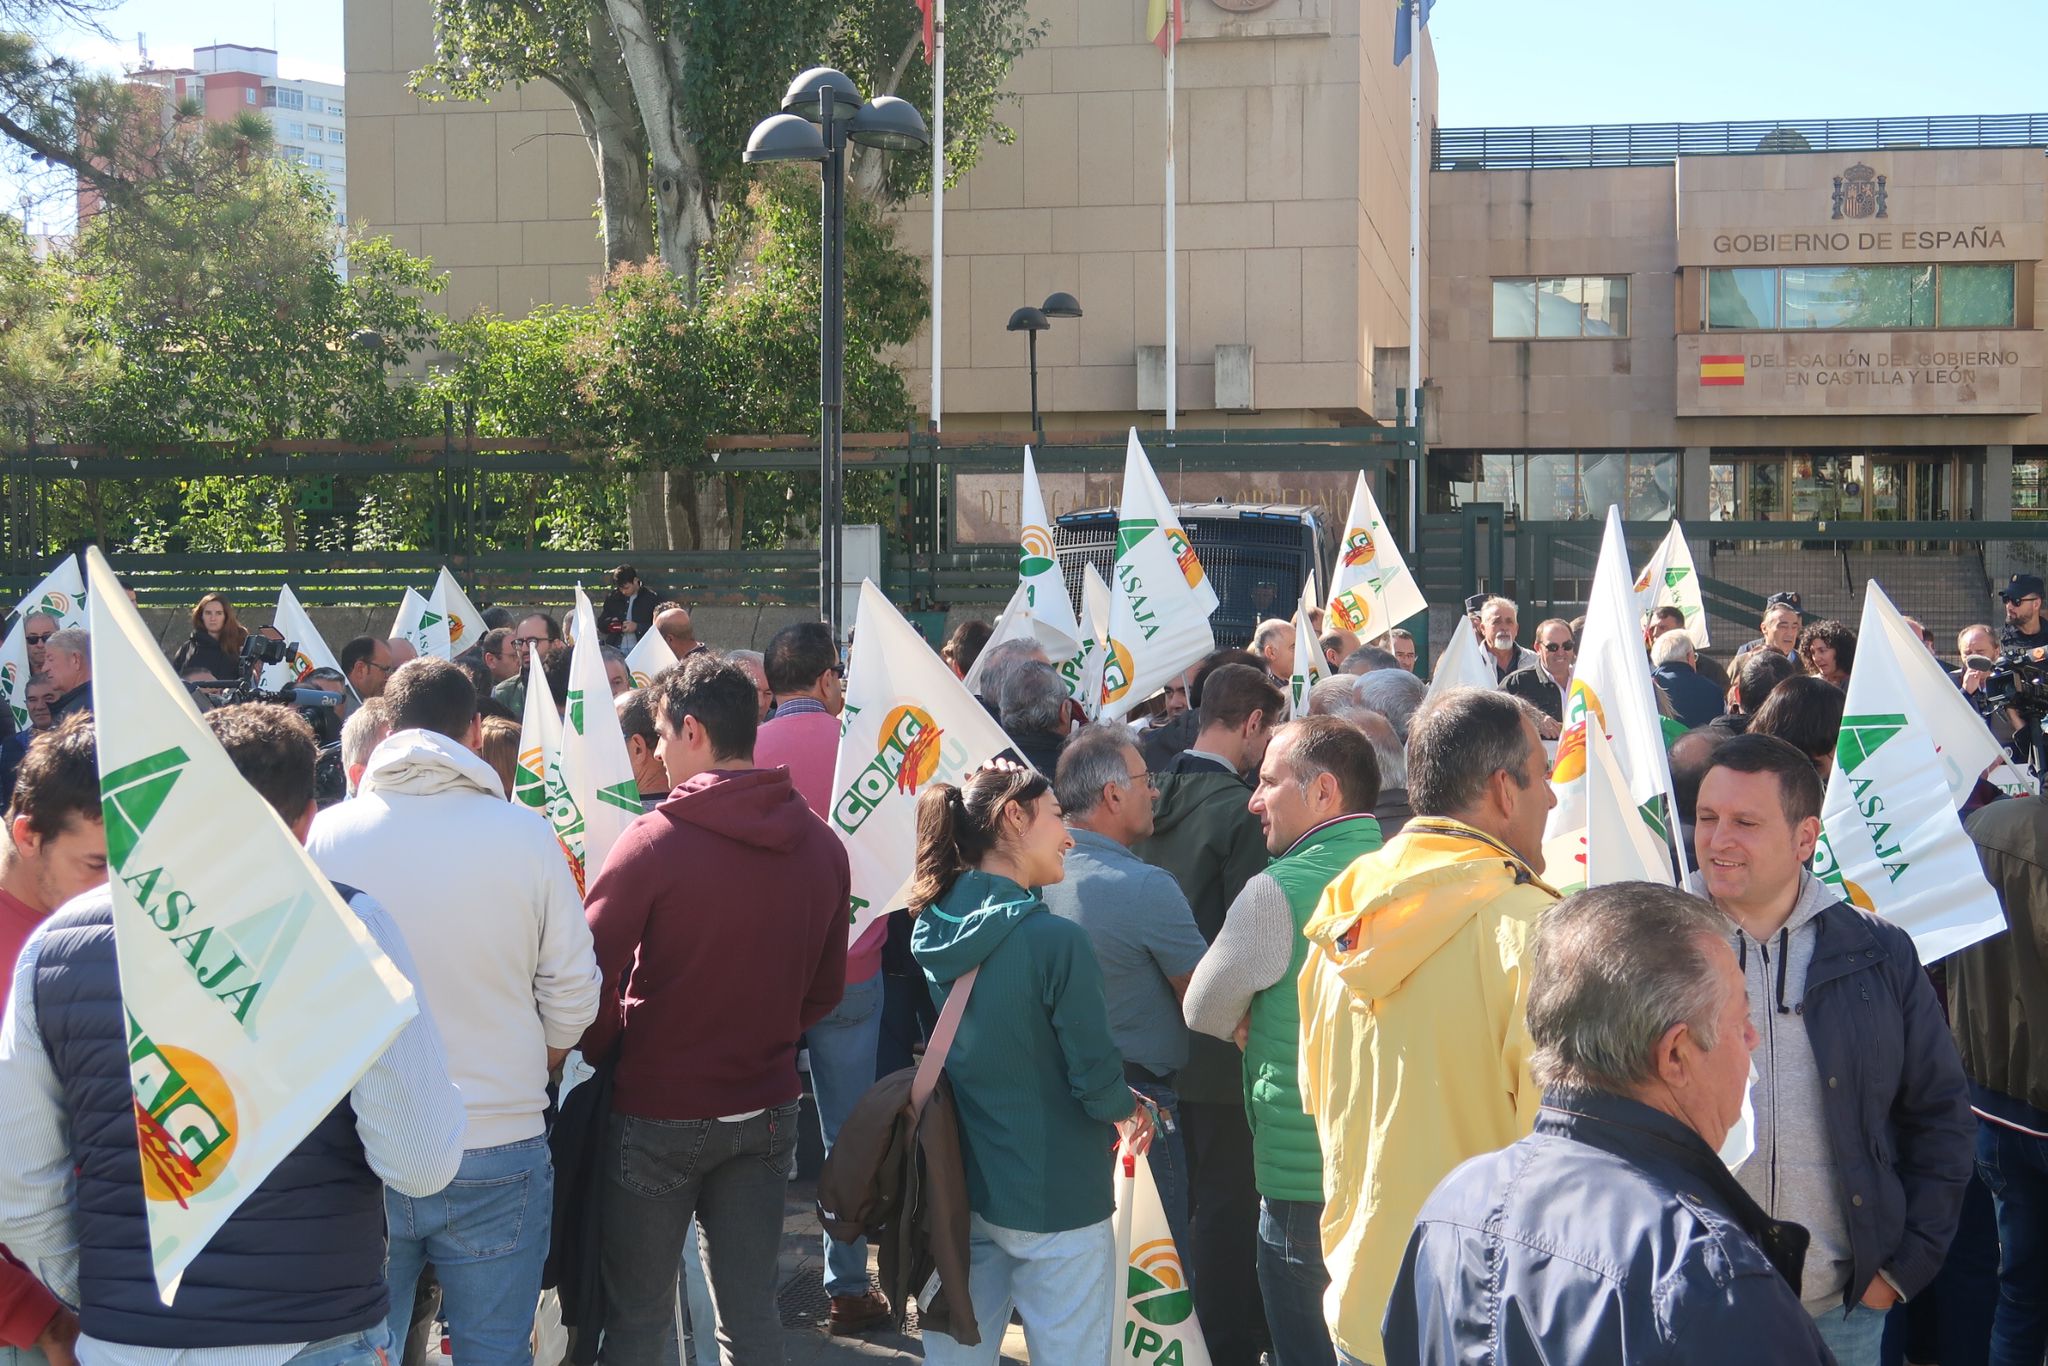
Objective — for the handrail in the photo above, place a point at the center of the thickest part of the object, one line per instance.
(1661, 144)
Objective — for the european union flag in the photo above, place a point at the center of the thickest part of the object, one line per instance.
(1401, 28)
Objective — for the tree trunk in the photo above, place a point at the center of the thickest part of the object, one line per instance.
(655, 63)
(870, 164)
(603, 98)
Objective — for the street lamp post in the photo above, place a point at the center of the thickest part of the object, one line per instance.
(1032, 321)
(821, 112)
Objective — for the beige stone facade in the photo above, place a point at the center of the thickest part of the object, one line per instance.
(1292, 140)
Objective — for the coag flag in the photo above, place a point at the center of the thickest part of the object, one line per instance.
(1164, 23)
(1371, 591)
(1669, 580)
(422, 627)
(1890, 838)
(61, 594)
(649, 657)
(1161, 599)
(1620, 845)
(1612, 690)
(538, 781)
(1083, 671)
(908, 722)
(595, 765)
(1158, 1323)
(297, 628)
(1038, 571)
(254, 998)
(14, 674)
(465, 623)
(1463, 664)
(1309, 666)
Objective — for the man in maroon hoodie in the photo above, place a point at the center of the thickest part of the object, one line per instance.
(720, 928)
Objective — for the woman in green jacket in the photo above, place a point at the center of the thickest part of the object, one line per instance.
(1036, 1080)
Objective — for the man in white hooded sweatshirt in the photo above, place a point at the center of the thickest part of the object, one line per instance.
(486, 902)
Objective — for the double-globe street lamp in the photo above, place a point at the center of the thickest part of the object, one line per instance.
(1032, 321)
(821, 111)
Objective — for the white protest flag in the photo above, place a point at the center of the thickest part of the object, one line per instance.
(1371, 591)
(1612, 689)
(1038, 572)
(1015, 623)
(595, 765)
(1160, 601)
(1083, 672)
(1891, 841)
(61, 594)
(465, 622)
(1463, 664)
(1158, 1322)
(425, 629)
(297, 629)
(649, 657)
(538, 782)
(1309, 665)
(14, 674)
(1962, 742)
(254, 997)
(1620, 845)
(908, 722)
(1669, 580)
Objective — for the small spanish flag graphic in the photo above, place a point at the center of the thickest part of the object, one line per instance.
(1721, 370)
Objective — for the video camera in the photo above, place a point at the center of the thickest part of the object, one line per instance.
(320, 708)
(2015, 681)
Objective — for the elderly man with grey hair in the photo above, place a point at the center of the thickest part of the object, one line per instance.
(993, 669)
(364, 730)
(1367, 659)
(1034, 713)
(1140, 926)
(1273, 642)
(1395, 694)
(67, 659)
(1614, 1231)
(751, 663)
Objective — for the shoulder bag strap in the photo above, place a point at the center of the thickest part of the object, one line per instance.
(941, 1041)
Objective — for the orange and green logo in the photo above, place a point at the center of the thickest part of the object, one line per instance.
(1349, 611)
(1581, 709)
(1157, 1287)
(1035, 556)
(54, 604)
(1184, 556)
(906, 759)
(1358, 548)
(1118, 671)
(185, 1118)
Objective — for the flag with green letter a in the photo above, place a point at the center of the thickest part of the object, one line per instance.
(1891, 841)
(537, 781)
(1157, 1326)
(254, 998)
(596, 766)
(1160, 599)
(419, 625)
(1670, 580)
(465, 623)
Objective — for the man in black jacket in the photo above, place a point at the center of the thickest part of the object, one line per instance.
(1546, 683)
(628, 611)
(1614, 1233)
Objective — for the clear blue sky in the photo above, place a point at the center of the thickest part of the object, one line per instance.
(1642, 61)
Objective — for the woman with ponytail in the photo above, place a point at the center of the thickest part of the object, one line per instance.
(1037, 1083)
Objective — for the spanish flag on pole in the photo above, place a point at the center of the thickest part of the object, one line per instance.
(1164, 23)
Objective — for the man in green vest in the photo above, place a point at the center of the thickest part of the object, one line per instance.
(1317, 786)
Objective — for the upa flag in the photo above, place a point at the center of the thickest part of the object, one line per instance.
(1309, 665)
(465, 623)
(61, 594)
(254, 998)
(1669, 580)
(1620, 845)
(1463, 664)
(537, 782)
(1891, 841)
(595, 765)
(649, 658)
(1161, 599)
(1611, 690)
(1038, 570)
(1083, 671)
(311, 651)
(420, 626)
(1371, 591)
(14, 675)
(908, 722)
(1158, 1322)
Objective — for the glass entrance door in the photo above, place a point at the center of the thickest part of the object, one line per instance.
(1829, 486)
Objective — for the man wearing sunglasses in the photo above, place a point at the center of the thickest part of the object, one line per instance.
(1547, 683)
(36, 633)
(2024, 629)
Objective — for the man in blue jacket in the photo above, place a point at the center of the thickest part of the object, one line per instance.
(1614, 1233)
(1696, 701)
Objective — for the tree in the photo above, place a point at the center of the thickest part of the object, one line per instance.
(48, 362)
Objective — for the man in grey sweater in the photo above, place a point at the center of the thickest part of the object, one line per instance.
(1863, 1131)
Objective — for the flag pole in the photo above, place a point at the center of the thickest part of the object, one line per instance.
(938, 213)
(1172, 300)
(1415, 264)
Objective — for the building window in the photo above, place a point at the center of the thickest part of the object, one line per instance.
(1976, 296)
(249, 95)
(1560, 306)
(1744, 298)
(315, 160)
(1858, 298)
(334, 135)
(1864, 298)
(1571, 486)
(296, 130)
(279, 97)
(313, 133)
(293, 153)
(334, 163)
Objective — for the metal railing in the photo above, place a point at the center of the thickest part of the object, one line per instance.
(1660, 144)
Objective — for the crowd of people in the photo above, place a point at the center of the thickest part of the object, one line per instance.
(1401, 1102)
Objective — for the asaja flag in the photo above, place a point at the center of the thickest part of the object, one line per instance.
(1620, 844)
(420, 626)
(537, 782)
(254, 998)
(1463, 664)
(1160, 601)
(1669, 580)
(298, 630)
(1612, 690)
(465, 622)
(61, 595)
(1083, 671)
(649, 657)
(1371, 591)
(1158, 1326)
(595, 765)
(1038, 570)
(908, 723)
(1891, 841)
(1963, 744)
(1309, 666)
(14, 674)
(1164, 23)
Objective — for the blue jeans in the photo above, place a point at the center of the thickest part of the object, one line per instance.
(1062, 1285)
(2015, 1167)
(487, 1236)
(842, 1047)
(371, 1347)
(1168, 1159)
(1855, 1337)
(1292, 1278)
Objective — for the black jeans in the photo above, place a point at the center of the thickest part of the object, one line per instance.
(731, 1178)
(1223, 1230)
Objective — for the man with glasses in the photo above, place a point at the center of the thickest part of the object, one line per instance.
(2023, 627)
(36, 632)
(367, 662)
(1548, 682)
(533, 632)
(1140, 926)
